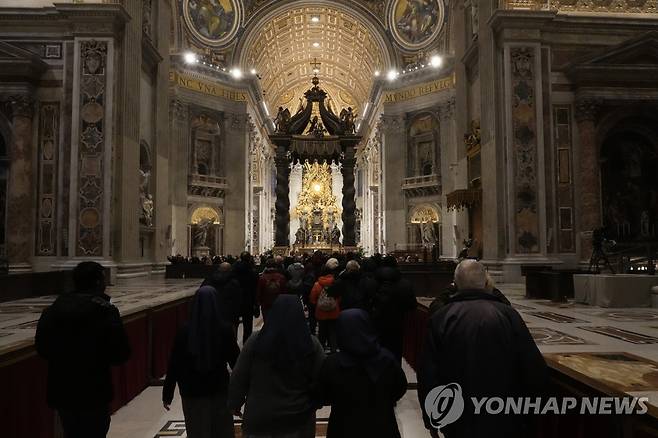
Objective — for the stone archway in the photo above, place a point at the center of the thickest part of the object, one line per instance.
(424, 225)
(629, 183)
(205, 232)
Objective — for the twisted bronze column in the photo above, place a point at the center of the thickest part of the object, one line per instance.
(349, 203)
(282, 205)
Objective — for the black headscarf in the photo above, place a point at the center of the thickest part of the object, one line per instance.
(204, 327)
(358, 344)
(285, 338)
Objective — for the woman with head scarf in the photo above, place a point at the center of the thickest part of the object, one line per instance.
(275, 374)
(362, 382)
(203, 348)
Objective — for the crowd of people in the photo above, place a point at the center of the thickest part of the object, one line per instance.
(331, 336)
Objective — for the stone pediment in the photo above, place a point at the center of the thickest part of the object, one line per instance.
(634, 62)
(19, 65)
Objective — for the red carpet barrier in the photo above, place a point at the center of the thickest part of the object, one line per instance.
(23, 409)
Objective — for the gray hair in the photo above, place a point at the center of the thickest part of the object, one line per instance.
(470, 274)
(352, 266)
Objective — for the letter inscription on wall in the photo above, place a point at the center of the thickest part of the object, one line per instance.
(419, 90)
(207, 87)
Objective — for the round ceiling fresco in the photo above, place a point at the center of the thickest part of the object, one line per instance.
(415, 23)
(213, 22)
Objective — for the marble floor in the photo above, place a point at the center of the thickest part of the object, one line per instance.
(617, 348)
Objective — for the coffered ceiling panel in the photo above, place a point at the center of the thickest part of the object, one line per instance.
(282, 48)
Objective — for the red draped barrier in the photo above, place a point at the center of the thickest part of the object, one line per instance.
(23, 408)
(165, 323)
(415, 330)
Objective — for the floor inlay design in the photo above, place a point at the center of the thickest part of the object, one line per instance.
(629, 315)
(621, 334)
(555, 317)
(624, 372)
(548, 336)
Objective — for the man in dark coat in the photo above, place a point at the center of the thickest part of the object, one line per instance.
(348, 287)
(393, 299)
(81, 336)
(482, 344)
(248, 279)
(229, 292)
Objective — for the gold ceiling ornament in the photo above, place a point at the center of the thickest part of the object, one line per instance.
(205, 214)
(317, 195)
(282, 46)
(424, 213)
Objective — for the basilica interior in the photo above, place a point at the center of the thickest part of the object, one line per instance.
(154, 136)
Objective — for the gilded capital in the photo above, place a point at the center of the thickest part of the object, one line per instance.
(20, 106)
(587, 109)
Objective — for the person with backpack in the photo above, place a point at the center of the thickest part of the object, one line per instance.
(271, 284)
(327, 304)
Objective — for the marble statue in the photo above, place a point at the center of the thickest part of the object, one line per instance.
(201, 233)
(335, 235)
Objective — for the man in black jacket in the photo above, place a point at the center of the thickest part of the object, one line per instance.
(81, 335)
(229, 293)
(393, 299)
(248, 279)
(482, 344)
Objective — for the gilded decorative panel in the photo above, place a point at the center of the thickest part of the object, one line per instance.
(48, 148)
(91, 147)
(524, 149)
(416, 23)
(213, 22)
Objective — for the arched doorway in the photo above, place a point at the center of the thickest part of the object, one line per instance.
(629, 181)
(424, 227)
(205, 232)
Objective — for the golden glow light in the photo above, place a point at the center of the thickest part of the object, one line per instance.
(317, 187)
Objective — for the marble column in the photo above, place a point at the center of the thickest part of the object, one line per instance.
(590, 202)
(282, 205)
(178, 171)
(448, 148)
(20, 198)
(349, 202)
(394, 149)
(235, 205)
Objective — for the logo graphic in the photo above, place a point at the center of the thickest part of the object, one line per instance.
(444, 405)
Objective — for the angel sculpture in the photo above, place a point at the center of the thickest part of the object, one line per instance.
(282, 119)
(300, 106)
(347, 118)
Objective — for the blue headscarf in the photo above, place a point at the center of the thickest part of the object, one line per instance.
(285, 339)
(205, 326)
(358, 344)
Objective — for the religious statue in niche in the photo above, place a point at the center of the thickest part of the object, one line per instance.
(428, 233)
(145, 197)
(201, 233)
(348, 117)
(472, 139)
(335, 235)
(281, 120)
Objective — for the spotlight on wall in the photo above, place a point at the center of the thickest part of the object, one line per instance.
(190, 57)
(377, 73)
(315, 19)
(436, 61)
(392, 75)
(253, 71)
(236, 73)
(316, 44)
